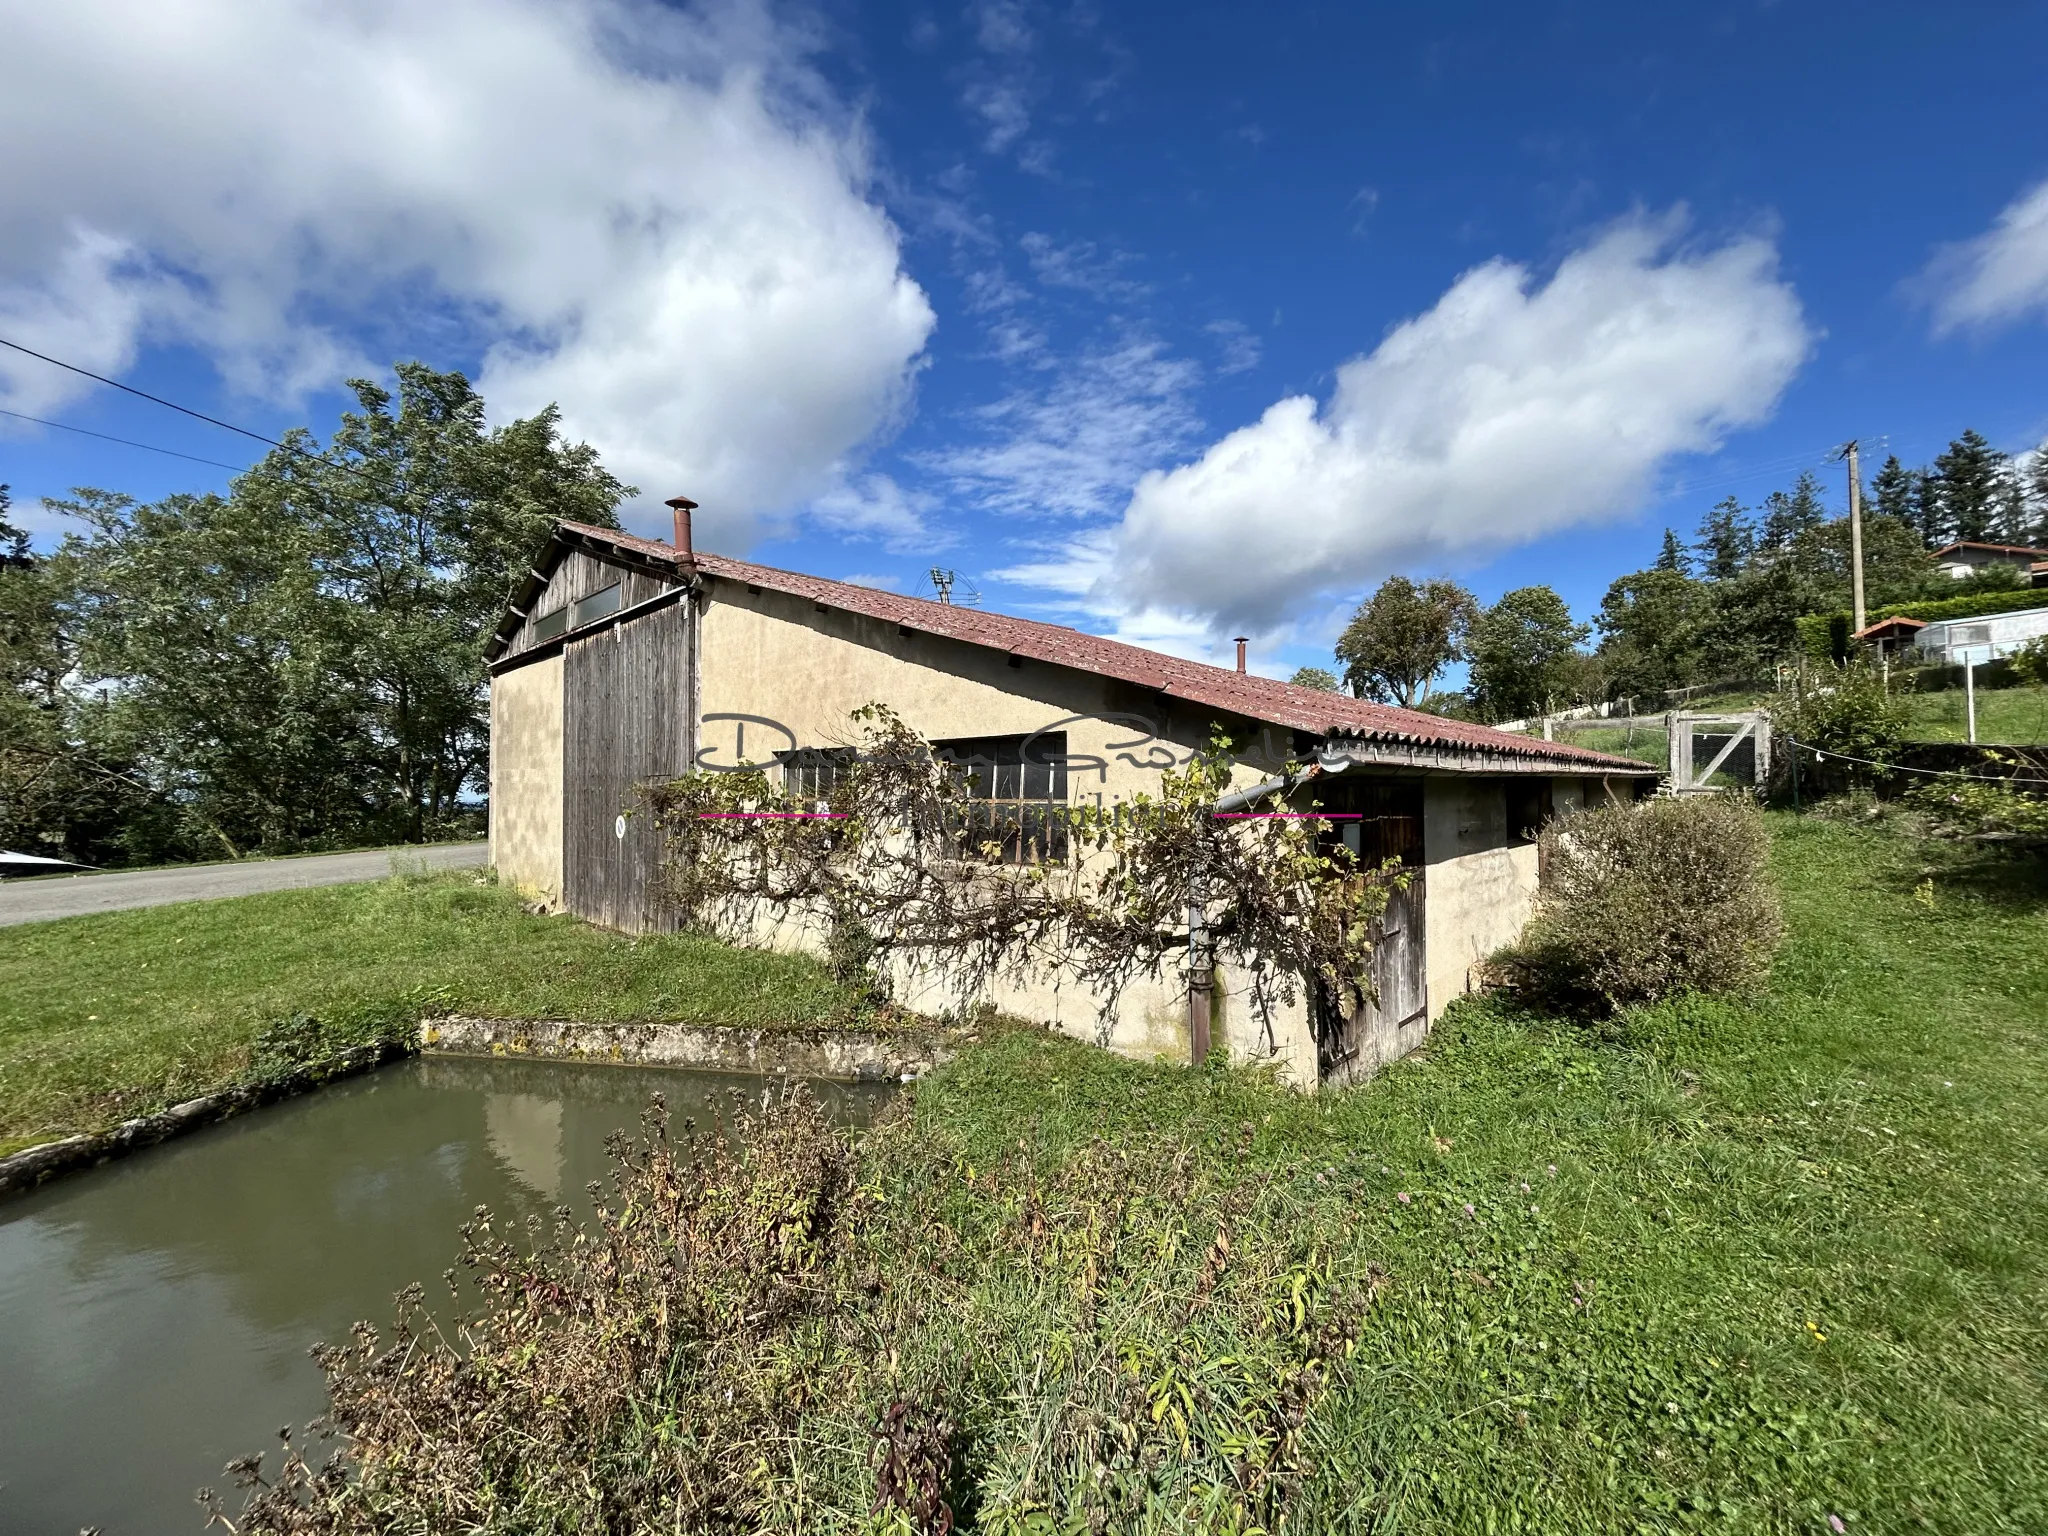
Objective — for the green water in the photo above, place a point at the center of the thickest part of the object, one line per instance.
(155, 1313)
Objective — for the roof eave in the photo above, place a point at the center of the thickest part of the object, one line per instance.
(1398, 752)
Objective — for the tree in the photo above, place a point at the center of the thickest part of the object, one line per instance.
(1653, 633)
(1891, 491)
(1930, 516)
(1672, 556)
(1727, 541)
(1971, 474)
(2037, 496)
(13, 541)
(1521, 651)
(1322, 679)
(1788, 514)
(299, 663)
(1401, 638)
(58, 797)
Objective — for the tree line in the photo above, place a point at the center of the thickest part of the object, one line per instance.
(1722, 607)
(294, 665)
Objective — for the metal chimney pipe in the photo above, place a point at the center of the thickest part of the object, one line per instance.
(1242, 642)
(683, 507)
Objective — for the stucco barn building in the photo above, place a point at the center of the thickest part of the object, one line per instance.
(625, 659)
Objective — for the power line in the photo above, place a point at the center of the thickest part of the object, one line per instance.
(172, 405)
(124, 442)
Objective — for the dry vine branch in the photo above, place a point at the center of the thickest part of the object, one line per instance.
(901, 865)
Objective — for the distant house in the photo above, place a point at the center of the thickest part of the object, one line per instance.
(1967, 559)
(625, 660)
(1888, 637)
(1980, 639)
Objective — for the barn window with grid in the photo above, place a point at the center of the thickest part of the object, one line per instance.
(1016, 798)
(812, 773)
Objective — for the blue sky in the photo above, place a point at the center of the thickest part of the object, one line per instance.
(1170, 322)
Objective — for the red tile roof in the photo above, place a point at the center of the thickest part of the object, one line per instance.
(1996, 549)
(1897, 621)
(1252, 697)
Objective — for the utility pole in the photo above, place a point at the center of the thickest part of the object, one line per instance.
(1855, 536)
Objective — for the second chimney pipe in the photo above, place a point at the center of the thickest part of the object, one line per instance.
(1242, 642)
(683, 507)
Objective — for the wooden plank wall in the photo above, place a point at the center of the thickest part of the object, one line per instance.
(626, 718)
(1355, 1041)
(577, 577)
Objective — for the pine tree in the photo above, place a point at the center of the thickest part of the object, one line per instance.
(1970, 472)
(1892, 490)
(1727, 540)
(1788, 514)
(13, 540)
(1672, 556)
(2037, 498)
(1930, 509)
(2012, 520)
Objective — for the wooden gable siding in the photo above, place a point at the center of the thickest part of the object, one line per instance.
(576, 577)
(627, 717)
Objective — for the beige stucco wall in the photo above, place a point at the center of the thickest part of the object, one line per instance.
(1481, 887)
(526, 778)
(776, 657)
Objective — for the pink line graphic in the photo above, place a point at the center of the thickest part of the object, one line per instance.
(770, 815)
(1288, 815)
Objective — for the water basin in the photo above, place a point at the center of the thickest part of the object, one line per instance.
(155, 1313)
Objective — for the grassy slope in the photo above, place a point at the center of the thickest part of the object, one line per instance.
(1790, 1264)
(116, 1014)
(2007, 716)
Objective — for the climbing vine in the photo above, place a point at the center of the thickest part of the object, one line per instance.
(896, 859)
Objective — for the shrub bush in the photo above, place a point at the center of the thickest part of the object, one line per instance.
(1645, 901)
(1854, 710)
(1982, 808)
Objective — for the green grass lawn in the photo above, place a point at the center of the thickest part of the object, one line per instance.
(2005, 716)
(121, 1013)
(1721, 1265)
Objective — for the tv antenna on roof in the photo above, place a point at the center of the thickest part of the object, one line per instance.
(946, 582)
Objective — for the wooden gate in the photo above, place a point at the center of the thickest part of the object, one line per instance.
(1354, 1036)
(1736, 746)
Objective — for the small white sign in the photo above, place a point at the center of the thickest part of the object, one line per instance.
(619, 829)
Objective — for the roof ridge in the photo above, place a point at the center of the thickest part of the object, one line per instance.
(1250, 695)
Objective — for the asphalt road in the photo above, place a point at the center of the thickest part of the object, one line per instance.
(35, 901)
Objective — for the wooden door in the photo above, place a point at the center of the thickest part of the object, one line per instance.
(1356, 1036)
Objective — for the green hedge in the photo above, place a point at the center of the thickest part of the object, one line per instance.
(1814, 627)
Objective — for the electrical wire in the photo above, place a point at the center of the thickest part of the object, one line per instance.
(124, 442)
(1823, 754)
(172, 405)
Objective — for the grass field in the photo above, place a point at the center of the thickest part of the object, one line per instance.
(1738, 1266)
(122, 1013)
(2005, 716)
(1772, 1265)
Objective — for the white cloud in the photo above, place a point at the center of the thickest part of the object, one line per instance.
(1999, 276)
(1073, 446)
(1239, 344)
(1512, 409)
(876, 506)
(43, 523)
(651, 216)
